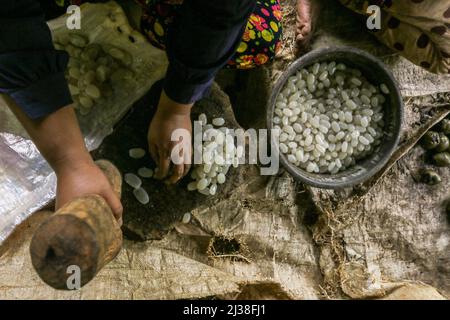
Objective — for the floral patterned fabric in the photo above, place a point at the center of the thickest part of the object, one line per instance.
(260, 42)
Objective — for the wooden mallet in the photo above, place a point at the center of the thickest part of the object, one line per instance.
(83, 234)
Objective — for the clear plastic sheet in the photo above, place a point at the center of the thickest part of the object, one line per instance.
(27, 183)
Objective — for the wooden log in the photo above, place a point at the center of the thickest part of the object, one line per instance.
(81, 236)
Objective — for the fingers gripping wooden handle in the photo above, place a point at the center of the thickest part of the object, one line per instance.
(113, 175)
(81, 236)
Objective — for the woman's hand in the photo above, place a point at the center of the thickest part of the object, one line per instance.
(80, 177)
(171, 116)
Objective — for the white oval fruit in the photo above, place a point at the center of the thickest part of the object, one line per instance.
(202, 118)
(133, 180)
(218, 122)
(86, 102)
(145, 172)
(78, 40)
(74, 73)
(202, 184)
(384, 88)
(137, 153)
(92, 91)
(192, 186)
(74, 90)
(101, 73)
(116, 53)
(141, 196)
(89, 77)
(213, 189)
(221, 178)
(186, 218)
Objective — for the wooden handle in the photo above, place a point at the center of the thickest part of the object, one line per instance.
(83, 235)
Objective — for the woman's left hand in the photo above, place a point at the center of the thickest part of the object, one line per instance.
(164, 128)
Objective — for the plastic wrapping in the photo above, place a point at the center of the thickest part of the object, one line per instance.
(27, 183)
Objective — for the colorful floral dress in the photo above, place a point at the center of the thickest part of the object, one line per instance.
(260, 42)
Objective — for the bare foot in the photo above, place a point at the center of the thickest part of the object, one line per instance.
(307, 11)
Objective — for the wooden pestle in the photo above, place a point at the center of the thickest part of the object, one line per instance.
(84, 233)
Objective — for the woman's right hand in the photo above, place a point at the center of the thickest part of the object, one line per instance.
(80, 177)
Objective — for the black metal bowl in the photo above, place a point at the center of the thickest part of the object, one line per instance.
(376, 73)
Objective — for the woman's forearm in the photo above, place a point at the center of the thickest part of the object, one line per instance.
(57, 136)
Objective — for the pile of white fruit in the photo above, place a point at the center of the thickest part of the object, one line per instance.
(218, 152)
(329, 117)
(93, 70)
